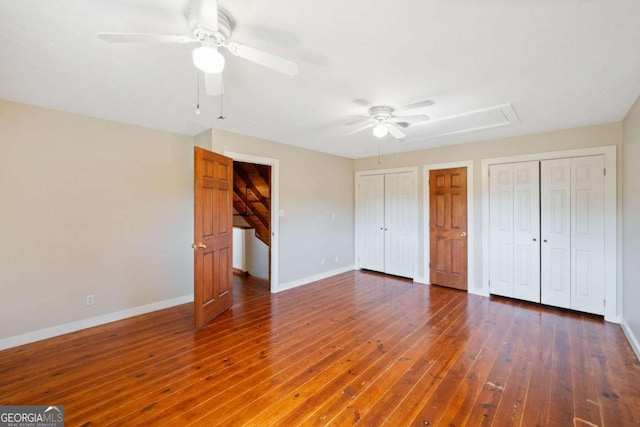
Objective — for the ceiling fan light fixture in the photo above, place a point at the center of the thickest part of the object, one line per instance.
(380, 130)
(208, 59)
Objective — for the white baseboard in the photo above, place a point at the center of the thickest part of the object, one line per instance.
(633, 340)
(306, 280)
(42, 334)
(476, 291)
(421, 280)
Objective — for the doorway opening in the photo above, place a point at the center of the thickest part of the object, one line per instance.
(251, 222)
(255, 221)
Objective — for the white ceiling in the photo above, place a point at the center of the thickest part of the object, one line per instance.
(559, 63)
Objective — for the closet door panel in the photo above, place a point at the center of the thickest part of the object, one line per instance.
(526, 231)
(587, 234)
(501, 230)
(555, 211)
(370, 222)
(400, 223)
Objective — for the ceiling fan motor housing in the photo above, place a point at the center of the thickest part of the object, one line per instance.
(203, 33)
(381, 113)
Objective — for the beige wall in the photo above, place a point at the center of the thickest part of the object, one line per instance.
(82, 200)
(631, 226)
(89, 206)
(313, 186)
(592, 136)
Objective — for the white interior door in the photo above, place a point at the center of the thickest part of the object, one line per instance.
(587, 234)
(400, 218)
(514, 222)
(501, 230)
(526, 231)
(555, 211)
(370, 222)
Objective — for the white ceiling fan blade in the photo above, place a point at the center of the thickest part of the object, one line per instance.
(415, 106)
(412, 120)
(263, 58)
(213, 84)
(144, 38)
(357, 120)
(360, 129)
(206, 12)
(362, 102)
(395, 131)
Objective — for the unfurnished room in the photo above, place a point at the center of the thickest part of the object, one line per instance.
(279, 213)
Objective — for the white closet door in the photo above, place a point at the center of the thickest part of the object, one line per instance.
(370, 222)
(400, 219)
(501, 230)
(526, 231)
(555, 210)
(587, 234)
(514, 222)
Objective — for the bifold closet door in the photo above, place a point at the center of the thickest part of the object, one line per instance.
(514, 227)
(399, 223)
(555, 208)
(572, 207)
(370, 222)
(587, 234)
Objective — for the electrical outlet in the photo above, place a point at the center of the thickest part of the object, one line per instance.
(91, 299)
(321, 261)
(337, 258)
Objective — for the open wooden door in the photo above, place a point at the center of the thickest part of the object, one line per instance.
(448, 227)
(213, 235)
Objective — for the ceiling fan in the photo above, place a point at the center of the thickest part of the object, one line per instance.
(384, 121)
(211, 28)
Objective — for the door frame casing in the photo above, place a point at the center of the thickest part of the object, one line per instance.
(613, 287)
(426, 169)
(274, 248)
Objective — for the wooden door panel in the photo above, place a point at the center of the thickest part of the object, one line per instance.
(212, 235)
(448, 227)
(439, 220)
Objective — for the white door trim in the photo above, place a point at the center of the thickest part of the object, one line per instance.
(613, 288)
(386, 171)
(471, 287)
(275, 206)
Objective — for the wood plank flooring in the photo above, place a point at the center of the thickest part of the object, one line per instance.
(358, 348)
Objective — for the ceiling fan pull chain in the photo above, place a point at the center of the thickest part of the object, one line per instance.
(197, 92)
(221, 116)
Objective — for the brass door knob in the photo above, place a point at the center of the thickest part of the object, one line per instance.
(199, 246)
(463, 234)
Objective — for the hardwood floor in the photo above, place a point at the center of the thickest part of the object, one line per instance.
(358, 348)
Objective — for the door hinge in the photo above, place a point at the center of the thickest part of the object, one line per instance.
(604, 171)
(604, 303)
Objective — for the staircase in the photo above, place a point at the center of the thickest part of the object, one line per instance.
(252, 198)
